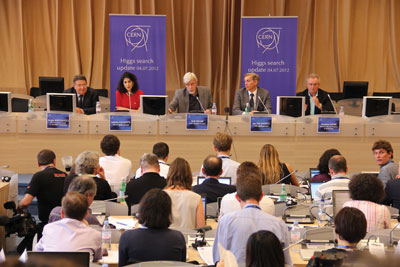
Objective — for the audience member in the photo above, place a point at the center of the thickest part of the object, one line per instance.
(86, 98)
(115, 167)
(272, 170)
(212, 169)
(340, 181)
(85, 186)
(323, 167)
(87, 164)
(187, 207)
(366, 191)
(222, 145)
(383, 153)
(229, 202)
(71, 233)
(235, 227)
(161, 150)
(150, 179)
(128, 94)
(153, 241)
(392, 191)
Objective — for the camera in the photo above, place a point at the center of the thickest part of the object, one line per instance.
(21, 222)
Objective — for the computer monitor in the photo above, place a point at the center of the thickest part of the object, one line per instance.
(154, 104)
(339, 197)
(313, 172)
(222, 180)
(51, 85)
(61, 102)
(204, 200)
(376, 106)
(5, 101)
(314, 187)
(355, 89)
(292, 106)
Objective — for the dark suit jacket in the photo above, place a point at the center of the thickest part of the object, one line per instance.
(103, 188)
(393, 193)
(181, 99)
(89, 100)
(323, 99)
(214, 189)
(136, 188)
(242, 98)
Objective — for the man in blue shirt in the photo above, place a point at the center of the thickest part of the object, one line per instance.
(383, 153)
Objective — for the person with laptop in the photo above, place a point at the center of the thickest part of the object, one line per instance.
(161, 150)
(383, 153)
(340, 181)
(212, 169)
(317, 100)
(86, 97)
(192, 98)
(127, 96)
(72, 233)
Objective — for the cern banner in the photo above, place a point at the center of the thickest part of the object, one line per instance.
(269, 48)
(137, 45)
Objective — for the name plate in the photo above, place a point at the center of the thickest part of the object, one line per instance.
(261, 124)
(328, 125)
(57, 121)
(196, 122)
(120, 123)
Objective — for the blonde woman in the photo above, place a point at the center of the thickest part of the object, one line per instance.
(187, 207)
(272, 169)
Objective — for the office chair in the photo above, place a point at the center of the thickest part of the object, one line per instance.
(102, 92)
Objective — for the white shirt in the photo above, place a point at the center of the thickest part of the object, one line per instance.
(164, 168)
(229, 168)
(115, 168)
(229, 203)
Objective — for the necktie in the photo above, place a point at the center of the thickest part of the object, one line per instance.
(80, 101)
(252, 101)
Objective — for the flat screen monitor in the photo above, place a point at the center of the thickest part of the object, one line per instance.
(355, 89)
(154, 104)
(314, 188)
(313, 172)
(376, 106)
(5, 101)
(61, 102)
(51, 85)
(292, 106)
(222, 180)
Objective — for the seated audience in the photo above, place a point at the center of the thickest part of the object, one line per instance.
(392, 191)
(340, 180)
(323, 167)
(153, 240)
(212, 169)
(366, 192)
(161, 150)
(229, 202)
(383, 153)
(187, 207)
(150, 179)
(115, 167)
(87, 164)
(272, 170)
(85, 186)
(71, 233)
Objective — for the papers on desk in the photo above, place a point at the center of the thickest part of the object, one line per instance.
(227, 256)
(112, 257)
(120, 223)
(307, 253)
(206, 254)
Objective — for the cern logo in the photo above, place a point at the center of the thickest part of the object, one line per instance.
(268, 38)
(136, 36)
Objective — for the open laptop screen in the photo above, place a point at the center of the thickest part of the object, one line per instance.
(222, 180)
(313, 172)
(339, 197)
(314, 188)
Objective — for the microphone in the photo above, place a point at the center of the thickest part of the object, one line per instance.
(391, 231)
(202, 108)
(226, 114)
(285, 177)
(265, 107)
(334, 108)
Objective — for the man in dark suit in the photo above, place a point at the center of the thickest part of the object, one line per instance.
(150, 179)
(193, 98)
(212, 169)
(86, 98)
(317, 100)
(258, 98)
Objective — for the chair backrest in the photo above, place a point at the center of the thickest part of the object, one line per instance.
(79, 259)
(160, 264)
(212, 209)
(19, 104)
(34, 91)
(102, 92)
(116, 209)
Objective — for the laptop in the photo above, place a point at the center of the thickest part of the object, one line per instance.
(313, 172)
(222, 180)
(204, 200)
(78, 259)
(314, 188)
(339, 197)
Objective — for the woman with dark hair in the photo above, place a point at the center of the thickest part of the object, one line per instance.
(323, 168)
(366, 191)
(128, 93)
(187, 207)
(152, 240)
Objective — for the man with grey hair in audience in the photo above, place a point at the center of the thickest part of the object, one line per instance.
(87, 164)
(85, 186)
(150, 179)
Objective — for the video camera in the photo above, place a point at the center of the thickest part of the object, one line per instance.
(21, 222)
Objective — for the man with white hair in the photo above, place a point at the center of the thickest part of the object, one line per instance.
(192, 98)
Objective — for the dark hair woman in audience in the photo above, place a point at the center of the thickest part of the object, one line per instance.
(323, 168)
(366, 192)
(272, 169)
(187, 207)
(152, 240)
(128, 93)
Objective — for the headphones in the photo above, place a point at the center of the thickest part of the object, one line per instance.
(6, 179)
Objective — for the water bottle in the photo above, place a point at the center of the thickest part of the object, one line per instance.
(98, 107)
(30, 106)
(341, 111)
(122, 190)
(106, 236)
(214, 109)
(283, 194)
(295, 235)
(247, 109)
(321, 213)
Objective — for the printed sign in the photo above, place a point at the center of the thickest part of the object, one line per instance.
(57, 121)
(260, 124)
(120, 123)
(196, 122)
(328, 125)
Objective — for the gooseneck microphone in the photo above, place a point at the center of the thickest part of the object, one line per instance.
(226, 114)
(277, 182)
(334, 108)
(265, 107)
(202, 108)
